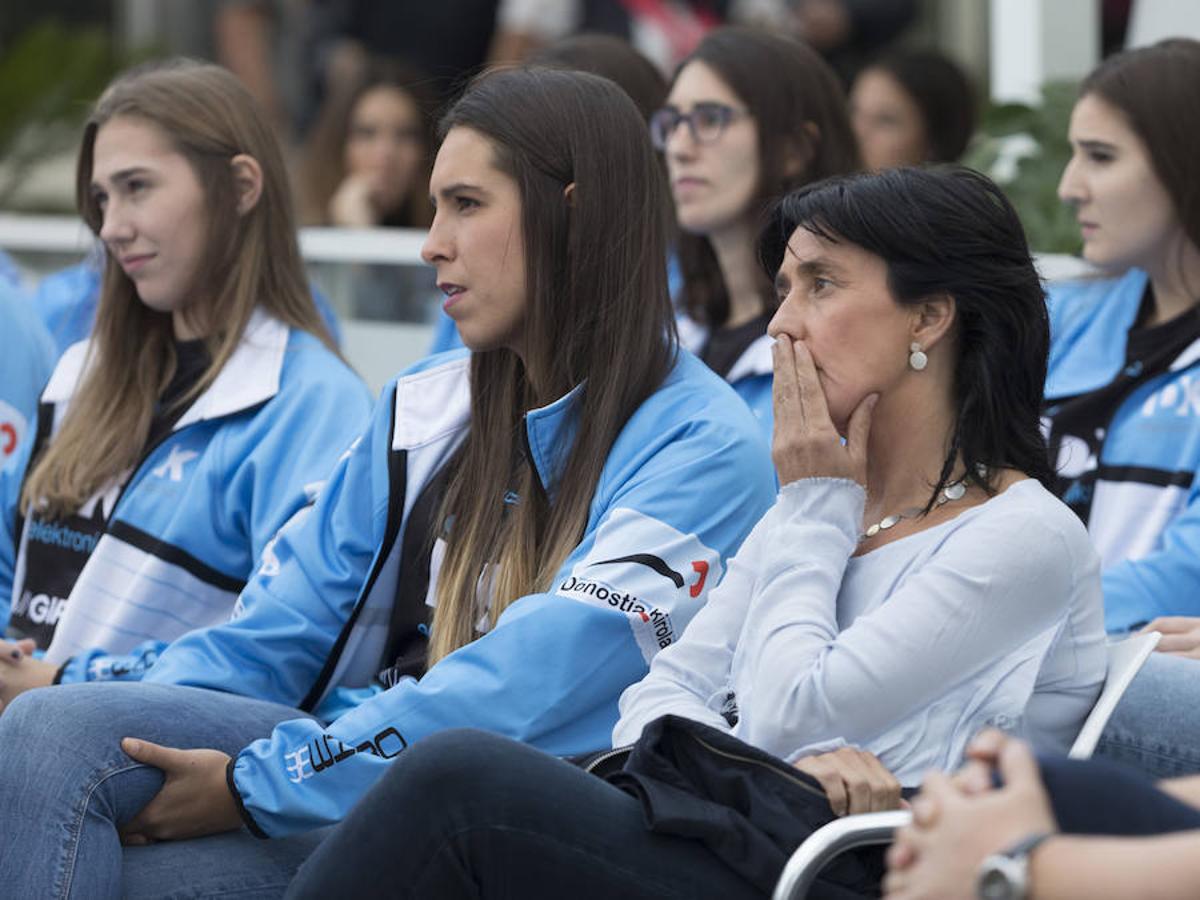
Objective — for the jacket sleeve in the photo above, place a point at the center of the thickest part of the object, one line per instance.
(690, 678)
(12, 475)
(1164, 582)
(294, 607)
(26, 363)
(96, 665)
(551, 671)
(996, 587)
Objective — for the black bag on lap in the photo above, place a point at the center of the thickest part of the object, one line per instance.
(749, 808)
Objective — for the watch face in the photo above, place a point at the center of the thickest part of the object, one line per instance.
(995, 885)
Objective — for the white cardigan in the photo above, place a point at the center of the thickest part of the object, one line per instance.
(994, 617)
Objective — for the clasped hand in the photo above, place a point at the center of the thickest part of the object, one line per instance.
(806, 443)
(194, 801)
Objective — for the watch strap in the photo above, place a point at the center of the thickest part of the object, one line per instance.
(1026, 845)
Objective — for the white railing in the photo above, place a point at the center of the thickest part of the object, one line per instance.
(376, 349)
(67, 234)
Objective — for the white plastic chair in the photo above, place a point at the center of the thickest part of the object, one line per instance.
(1125, 659)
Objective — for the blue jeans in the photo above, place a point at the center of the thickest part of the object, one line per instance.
(469, 814)
(1156, 726)
(66, 786)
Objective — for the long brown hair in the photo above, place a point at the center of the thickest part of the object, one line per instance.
(252, 260)
(598, 317)
(323, 166)
(798, 107)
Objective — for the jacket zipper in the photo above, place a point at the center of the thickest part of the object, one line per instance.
(756, 762)
(607, 755)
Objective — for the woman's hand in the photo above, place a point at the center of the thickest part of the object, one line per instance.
(1180, 635)
(351, 205)
(194, 801)
(806, 444)
(20, 672)
(855, 781)
(939, 854)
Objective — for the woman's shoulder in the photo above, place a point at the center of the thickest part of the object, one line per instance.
(1104, 302)
(694, 397)
(308, 360)
(1089, 320)
(1026, 521)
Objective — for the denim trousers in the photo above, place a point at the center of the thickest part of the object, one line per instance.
(66, 788)
(468, 814)
(1156, 726)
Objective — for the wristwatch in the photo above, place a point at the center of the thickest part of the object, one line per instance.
(1005, 875)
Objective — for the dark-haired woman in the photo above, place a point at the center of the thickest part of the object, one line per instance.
(514, 538)
(1123, 392)
(749, 116)
(909, 586)
(912, 107)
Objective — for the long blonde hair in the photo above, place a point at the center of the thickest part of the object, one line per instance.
(251, 260)
(597, 315)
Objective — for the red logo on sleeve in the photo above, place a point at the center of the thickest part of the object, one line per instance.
(702, 567)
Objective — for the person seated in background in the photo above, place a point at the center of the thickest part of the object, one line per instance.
(912, 107)
(516, 535)
(366, 165)
(202, 415)
(1122, 387)
(913, 582)
(1012, 826)
(749, 116)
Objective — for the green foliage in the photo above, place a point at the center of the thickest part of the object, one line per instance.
(1032, 183)
(48, 78)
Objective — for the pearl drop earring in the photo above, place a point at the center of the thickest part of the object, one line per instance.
(917, 360)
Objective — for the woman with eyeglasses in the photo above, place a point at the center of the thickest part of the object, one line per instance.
(749, 116)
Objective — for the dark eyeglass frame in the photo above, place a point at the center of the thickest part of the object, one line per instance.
(665, 120)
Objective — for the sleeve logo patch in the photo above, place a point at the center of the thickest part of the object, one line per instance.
(654, 574)
(12, 431)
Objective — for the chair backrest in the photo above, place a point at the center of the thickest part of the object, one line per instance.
(1125, 658)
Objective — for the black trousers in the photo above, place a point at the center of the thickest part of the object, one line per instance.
(468, 814)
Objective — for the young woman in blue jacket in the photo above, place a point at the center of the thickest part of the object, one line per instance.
(204, 411)
(517, 534)
(1123, 391)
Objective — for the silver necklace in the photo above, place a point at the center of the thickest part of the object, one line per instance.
(955, 490)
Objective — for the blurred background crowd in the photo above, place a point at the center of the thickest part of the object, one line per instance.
(354, 87)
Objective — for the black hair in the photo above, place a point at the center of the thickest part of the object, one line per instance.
(943, 94)
(948, 230)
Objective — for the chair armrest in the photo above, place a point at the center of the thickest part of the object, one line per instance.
(830, 840)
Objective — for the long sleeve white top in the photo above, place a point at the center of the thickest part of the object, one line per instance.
(994, 617)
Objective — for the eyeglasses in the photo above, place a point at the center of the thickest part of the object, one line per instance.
(707, 122)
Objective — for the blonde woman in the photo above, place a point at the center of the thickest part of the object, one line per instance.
(204, 411)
